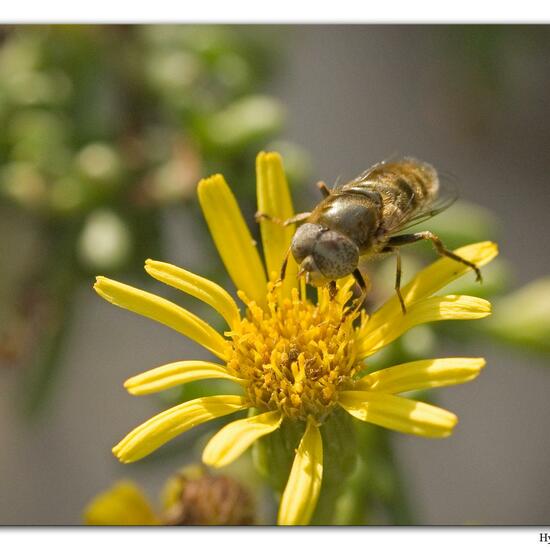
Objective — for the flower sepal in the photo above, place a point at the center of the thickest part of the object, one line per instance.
(273, 454)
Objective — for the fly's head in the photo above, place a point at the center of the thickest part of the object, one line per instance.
(323, 255)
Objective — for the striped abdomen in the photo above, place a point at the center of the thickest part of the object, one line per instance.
(405, 188)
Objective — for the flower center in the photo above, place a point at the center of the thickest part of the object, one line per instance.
(296, 355)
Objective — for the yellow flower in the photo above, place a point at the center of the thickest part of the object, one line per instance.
(291, 360)
(123, 504)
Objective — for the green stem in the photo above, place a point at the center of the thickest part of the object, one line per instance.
(353, 507)
(56, 286)
(326, 505)
(377, 483)
(399, 509)
(39, 378)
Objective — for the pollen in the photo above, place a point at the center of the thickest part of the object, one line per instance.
(296, 356)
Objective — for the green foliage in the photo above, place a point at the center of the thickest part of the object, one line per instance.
(104, 128)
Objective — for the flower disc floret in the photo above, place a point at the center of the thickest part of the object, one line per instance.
(297, 356)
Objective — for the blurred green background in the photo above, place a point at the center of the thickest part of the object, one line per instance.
(105, 132)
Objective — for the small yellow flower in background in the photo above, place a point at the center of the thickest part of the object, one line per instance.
(291, 360)
(123, 504)
(192, 497)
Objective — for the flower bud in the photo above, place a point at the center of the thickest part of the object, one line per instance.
(196, 497)
(122, 504)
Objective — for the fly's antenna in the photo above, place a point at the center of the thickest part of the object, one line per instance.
(337, 182)
(283, 266)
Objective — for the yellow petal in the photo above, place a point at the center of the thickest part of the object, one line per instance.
(163, 311)
(398, 413)
(436, 276)
(304, 483)
(233, 240)
(199, 287)
(274, 199)
(379, 331)
(122, 504)
(174, 374)
(417, 375)
(235, 438)
(163, 427)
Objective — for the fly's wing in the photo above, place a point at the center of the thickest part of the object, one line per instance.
(405, 217)
(447, 195)
(369, 172)
(380, 167)
(366, 174)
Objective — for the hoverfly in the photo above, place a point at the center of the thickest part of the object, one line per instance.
(360, 219)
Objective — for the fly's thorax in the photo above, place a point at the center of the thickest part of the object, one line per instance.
(355, 212)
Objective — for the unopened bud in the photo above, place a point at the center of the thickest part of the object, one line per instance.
(122, 504)
(196, 497)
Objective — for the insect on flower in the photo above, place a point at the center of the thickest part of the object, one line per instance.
(359, 219)
(293, 362)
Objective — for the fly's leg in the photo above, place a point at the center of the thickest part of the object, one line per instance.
(360, 280)
(332, 290)
(398, 279)
(400, 240)
(322, 186)
(364, 287)
(283, 266)
(298, 218)
(398, 272)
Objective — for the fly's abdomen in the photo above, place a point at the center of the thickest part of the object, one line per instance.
(405, 187)
(369, 208)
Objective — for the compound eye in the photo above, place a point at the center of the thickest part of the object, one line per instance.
(304, 240)
(335, 255)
